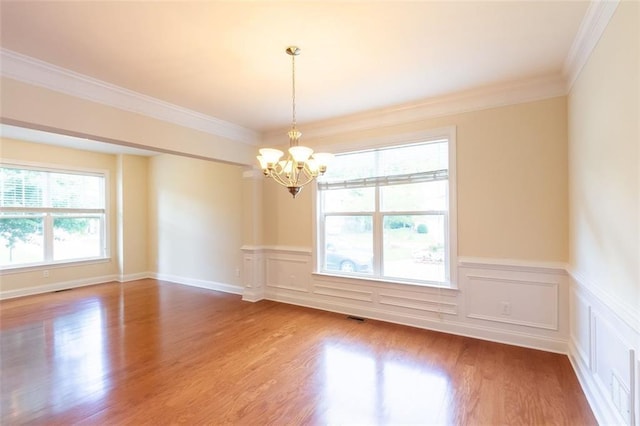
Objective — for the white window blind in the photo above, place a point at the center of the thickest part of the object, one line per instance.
(431, 176)
(36, 190)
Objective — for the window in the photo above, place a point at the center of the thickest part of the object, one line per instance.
(389, 213)
(51, 216)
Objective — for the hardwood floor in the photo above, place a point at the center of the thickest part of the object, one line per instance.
(149, 352)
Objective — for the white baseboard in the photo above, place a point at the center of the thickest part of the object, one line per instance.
(134, 277)
(251, 295)
(194, 282)
(211, 285)
(444, 324)
(48, 288)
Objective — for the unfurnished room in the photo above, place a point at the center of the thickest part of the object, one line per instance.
(320, 212)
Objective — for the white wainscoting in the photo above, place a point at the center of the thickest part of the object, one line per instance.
(534, 294)
(604, 350)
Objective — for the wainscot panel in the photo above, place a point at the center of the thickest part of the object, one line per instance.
(536, 296)
(604, 348)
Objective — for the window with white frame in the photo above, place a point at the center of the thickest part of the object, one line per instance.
(51, 216)
(389, 214)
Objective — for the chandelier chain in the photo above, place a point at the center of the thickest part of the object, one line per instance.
(293, 86)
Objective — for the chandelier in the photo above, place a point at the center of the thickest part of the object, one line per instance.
(302, 165)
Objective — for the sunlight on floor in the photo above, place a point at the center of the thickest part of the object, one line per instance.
(362, 389)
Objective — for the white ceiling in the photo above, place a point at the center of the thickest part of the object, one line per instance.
(226, 59)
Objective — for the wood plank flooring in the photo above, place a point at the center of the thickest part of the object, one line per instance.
(150, 352)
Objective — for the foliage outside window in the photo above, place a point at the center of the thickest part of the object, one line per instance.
(385, 214)
(50, 216)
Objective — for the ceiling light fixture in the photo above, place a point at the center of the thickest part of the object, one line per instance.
(302, 165)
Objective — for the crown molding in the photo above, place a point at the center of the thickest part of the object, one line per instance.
(593, 24)
(510, 93)
(38, 73)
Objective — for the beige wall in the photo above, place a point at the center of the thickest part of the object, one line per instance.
(172, 215)
(132, 215)
(195, 219)
(36, 106)
(512, 183)
(46, 154)
(604, 153)
(512, 198)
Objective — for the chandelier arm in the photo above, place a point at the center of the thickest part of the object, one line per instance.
(298, 178)
(276, 177)
(307, 179)
(308, 173)
(280, 177)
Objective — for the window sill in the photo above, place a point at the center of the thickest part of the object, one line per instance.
(7, 270)
(359, 279)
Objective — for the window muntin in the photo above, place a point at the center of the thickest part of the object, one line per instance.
(49, 216)
(407, 205)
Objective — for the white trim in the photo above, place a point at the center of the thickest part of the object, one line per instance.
(446, 134)
(48, 288)
(601, 410)
(279, 249)
(434, 308)
(48, 262)
(386, 282)
(510, 93)
(39, 73)
(622, 311)
(195, 282)
(134, 277)
(252, 295)
(623, 327)
(512, 265)
(451, 236)
(591, 29)
(552, 325)
(475, 331)
(8, 270)
(42, 74)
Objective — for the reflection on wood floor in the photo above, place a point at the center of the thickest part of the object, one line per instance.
(149, 352)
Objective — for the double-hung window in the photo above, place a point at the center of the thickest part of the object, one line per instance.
(51, 216)
(387, 214)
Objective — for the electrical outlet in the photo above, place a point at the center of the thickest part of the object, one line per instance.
(45, 273)
(621, 397)
(237, 272)
(505, 308)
